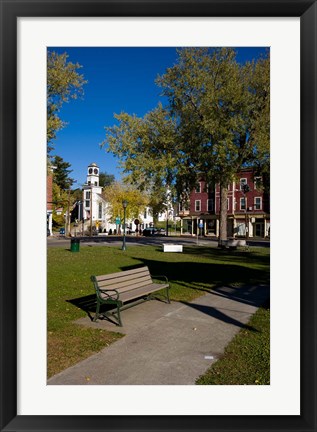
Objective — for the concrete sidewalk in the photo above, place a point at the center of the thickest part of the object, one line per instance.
(167, 343)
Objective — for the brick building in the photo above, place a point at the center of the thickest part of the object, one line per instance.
(245, 209)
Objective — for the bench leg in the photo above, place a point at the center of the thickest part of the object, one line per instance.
(119, 316)
(168, 295)
(97, 311)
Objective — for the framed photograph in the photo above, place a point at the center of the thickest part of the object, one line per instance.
(28, 28)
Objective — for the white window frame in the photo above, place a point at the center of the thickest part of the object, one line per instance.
(197, 201)
(255, 181)
(243, 182)
(255, 206)
(245, 203)
(228, 203)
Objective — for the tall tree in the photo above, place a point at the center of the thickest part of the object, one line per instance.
(106, 179)
(223, 122)
(216, 122)
(63, 83)
(61, 173)
(144, 147)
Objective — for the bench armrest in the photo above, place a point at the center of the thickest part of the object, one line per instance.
(106, 292)
(160, 277)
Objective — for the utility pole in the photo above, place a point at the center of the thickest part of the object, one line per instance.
(68, 213)
(246, 189)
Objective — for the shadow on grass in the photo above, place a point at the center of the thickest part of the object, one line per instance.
(207, 276)
(88, 304)
(227, 255)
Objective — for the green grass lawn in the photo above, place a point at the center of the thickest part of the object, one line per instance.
(70, 293)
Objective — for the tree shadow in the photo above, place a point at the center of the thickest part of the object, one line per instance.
(242, 284)
(226, 255)
(233, 281)
(217, 314)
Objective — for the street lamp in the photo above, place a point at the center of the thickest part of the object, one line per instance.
(124, 204)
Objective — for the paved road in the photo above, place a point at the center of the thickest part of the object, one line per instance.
(155, 240)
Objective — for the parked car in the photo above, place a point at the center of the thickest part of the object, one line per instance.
(161, 232)
(62, 231)
(149, 231)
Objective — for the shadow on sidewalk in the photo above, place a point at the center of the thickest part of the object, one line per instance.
(217, 314)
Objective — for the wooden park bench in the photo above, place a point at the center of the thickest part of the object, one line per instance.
(119, 289)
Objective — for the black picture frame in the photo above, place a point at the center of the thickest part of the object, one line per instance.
(10, 11)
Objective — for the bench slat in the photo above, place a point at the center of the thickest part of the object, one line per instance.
(127, 286)
(125, 281)
(121, 288)
(139, 292)
(124, 273)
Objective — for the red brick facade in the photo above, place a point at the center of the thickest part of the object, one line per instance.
(250, 209)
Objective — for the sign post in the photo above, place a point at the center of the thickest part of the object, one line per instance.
(200, 226)
(118, 221)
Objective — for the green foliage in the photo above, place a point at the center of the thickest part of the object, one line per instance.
(60, 197)
(216, 122)
(76, 195)
(63, 83)
(58, 220)
(61, 173)
(144, 147)
(116, 193)
(218, 107)
(106, 179)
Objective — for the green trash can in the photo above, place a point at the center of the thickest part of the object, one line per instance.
(74, 244)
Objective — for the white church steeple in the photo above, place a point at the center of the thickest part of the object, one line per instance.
(93, 175)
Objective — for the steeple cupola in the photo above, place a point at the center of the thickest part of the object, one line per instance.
(93, 175)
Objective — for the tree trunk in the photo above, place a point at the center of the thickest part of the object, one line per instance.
(223, 216)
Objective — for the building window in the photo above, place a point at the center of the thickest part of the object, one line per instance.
(257, 203)
(100, 211)
(197, 205)
(210, 188)
(228, 203)
(87, 195)
(87, 203)
(243, 182)
(242, 203)
(145, 214)
(198, 188)
(89, 182)
(210, 205)
(257, 182)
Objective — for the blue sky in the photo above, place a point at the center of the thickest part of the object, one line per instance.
(119, 79)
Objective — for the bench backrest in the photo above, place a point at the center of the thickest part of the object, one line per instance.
(124, 281)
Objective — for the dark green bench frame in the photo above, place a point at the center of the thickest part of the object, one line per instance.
(122, 287)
